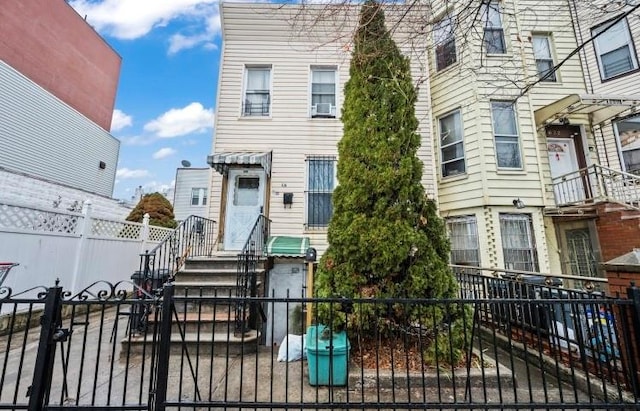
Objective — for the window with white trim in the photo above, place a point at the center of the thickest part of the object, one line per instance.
(493, 31)
(451, 145)
(323, 92)
(257, 94)
(518, 242)
(614, 49)
(505, 134)
(321, 180)
(628, 133)
(463, 234)
(544, 57)
(198, 196)
(445, 43)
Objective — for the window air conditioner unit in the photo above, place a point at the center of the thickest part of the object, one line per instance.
(322, 109)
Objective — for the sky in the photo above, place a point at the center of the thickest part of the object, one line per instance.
(165, 102)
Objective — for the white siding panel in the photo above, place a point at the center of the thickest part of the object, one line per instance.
(261, 34)
(42, 136)
(186, 180)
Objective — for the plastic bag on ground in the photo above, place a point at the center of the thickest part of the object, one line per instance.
(292, 348)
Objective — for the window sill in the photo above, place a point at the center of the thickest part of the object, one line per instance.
(454, 178)
(498, 55)
(315, 230)
(515, 172)
(254, 118)
(447, 69)
(619, 76)
(323, 118)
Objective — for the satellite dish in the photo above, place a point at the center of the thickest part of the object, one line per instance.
(186, 163)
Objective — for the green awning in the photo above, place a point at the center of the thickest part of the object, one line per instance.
(283, 246)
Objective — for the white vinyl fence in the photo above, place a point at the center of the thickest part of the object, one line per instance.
(76, 248)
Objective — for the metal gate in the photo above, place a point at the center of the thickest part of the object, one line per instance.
(106, 349)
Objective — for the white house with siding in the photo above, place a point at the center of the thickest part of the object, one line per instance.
(510, 124)
(191, 192)
(278, 121)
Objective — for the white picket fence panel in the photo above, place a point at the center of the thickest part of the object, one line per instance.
(77, 249)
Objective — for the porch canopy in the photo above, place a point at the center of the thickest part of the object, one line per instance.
(285, 246)
(599, 108)
(222, 161)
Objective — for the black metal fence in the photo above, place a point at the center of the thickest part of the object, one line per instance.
(498, 351)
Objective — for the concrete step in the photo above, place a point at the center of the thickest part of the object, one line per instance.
(205, 323)
(216, 262)
(218, 344)
(209, 274)
(207, 289)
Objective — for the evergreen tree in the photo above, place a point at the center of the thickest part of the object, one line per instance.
(386, 239)
(159, 208)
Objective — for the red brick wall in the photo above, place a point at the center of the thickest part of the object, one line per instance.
(617, 236)
(620, 281)
(48, 42)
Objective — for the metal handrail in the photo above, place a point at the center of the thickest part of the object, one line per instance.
(194, 237)
(597, 183)
(589, 284)
(247, 278)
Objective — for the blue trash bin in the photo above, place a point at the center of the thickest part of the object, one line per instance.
(328, 359)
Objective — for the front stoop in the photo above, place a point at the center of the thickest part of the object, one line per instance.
(205, 326)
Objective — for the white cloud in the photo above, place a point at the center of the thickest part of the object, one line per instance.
(163, 153)
(120, 120)
(179, 41)
(176, 122)
(136, 140)
(131, 19)
(158, 187)
(125, 173)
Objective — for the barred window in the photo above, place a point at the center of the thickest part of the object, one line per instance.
(463, 234)
(614, 49)
(518, 242)
(321, 172)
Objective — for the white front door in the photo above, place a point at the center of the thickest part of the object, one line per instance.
(245, 202)
(564, 162)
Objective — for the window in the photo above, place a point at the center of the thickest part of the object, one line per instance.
(247, 191)
(518, 243)
(544, 60)
(445, 42)
(451, 146)
(463, 234)
(628, 132)
(257, 96)
(493, 32)
(198, 196)
(323, 92)
(613, 49)
(505, 131)
(320, 184)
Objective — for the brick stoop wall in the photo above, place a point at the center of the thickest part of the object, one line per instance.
(618, 230)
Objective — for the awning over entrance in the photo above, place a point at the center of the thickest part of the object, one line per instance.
(600, 108)
(283, 246)
(222, 161)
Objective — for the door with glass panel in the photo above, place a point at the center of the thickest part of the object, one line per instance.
(245, 202)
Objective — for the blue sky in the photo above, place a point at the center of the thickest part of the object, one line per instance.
(165, 101)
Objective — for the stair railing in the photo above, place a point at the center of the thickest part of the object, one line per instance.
(597, 183)
(247, 279)
(194, 237)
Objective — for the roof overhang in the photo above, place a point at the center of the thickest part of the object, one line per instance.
(285, 246)
(222, 161)
(599, 108)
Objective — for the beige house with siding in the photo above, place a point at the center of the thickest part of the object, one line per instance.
(523, 147)
(278, 120)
